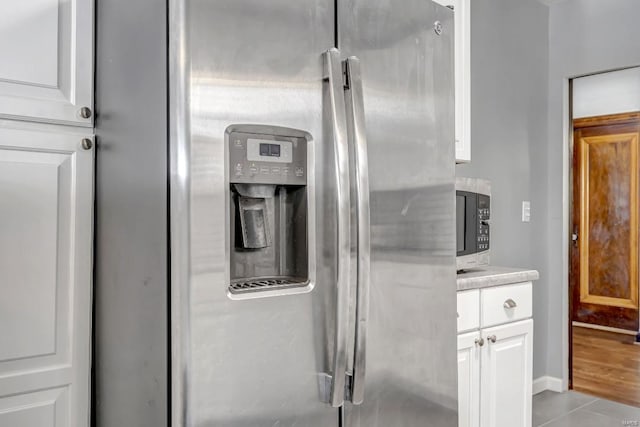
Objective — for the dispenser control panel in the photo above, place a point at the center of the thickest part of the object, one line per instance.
(267, 159)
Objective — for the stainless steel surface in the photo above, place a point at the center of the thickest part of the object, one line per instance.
(130, 353)
(407, 77)
(179, 211)
(510, 303)
(240, 359)
(87, 144)
(85, 112)
(357, 134)
(479, 342)
(492, 338)
(252, 361)
(333, 76)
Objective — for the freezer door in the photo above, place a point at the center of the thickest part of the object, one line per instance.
(406, 61)
(255, 359)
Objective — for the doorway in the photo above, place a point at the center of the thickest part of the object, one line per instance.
(604, 224)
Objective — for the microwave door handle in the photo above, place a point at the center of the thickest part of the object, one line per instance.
(355, 114)
(333, 78)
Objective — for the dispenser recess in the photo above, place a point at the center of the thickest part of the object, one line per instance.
(268, 208)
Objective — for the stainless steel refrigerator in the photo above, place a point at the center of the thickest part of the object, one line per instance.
(312, 213)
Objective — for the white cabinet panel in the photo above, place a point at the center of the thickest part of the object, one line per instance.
(46, 188)
(468, 380)
(504, 304)
(46, 48)
(468, 310)
(507, 375)
(20, 44)
(46, 408)
(29, 252)
(462, 19)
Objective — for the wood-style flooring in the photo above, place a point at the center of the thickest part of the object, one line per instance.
(607, 365)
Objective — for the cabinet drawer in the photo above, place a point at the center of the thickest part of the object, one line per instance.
(468, 310)
(506, 304)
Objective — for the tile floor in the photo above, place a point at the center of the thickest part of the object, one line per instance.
(574, 409)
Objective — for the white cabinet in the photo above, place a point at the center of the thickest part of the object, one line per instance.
(46, 193)
(462, 21)
(505, 391)
(46, 48)
(468, 310)
(469, 379)
(495, 360)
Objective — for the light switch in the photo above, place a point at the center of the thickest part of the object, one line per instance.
(526, 211)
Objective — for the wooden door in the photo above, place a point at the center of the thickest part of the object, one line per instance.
(506, 375)
(469, 379)
(46, 48)
(46, 211)
(604, 253)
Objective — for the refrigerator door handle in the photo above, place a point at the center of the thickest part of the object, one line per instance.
(333, 77)
(355, 114)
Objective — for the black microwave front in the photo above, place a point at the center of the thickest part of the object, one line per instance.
(473, 215)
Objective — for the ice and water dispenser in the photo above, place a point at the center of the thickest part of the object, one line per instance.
(268, 208)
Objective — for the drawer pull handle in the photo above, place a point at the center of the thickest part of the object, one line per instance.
(492, 338)
(479, 342)
(510, 304)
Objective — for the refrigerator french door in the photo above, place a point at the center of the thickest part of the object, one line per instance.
(312, 220)
(405, 59)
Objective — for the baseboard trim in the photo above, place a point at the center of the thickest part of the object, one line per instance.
(547, 383)
(604, 328)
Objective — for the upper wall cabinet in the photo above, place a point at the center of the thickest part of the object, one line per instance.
(46, 48)
(462, 20)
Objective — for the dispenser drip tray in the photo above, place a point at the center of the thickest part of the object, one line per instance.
(257, 284)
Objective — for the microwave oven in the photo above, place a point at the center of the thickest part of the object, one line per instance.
(473, 215)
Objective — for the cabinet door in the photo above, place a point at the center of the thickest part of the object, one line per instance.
(46, 48)
(46, 188)
(462, 67)
(506, 375)
(469, 379)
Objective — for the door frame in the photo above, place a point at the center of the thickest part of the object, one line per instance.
(567, 215)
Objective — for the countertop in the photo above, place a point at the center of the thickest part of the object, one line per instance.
(494, 276)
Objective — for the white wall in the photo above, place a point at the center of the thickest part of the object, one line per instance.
(509, 65)
(585, 37)
(606, 93)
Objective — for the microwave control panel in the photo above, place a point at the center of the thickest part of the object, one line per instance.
(484, 215)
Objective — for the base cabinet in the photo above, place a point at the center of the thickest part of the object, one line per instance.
(495, 356)
(46, 192)
(469, 379)
(506, 375)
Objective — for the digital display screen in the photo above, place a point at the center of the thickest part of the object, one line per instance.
(270, 150)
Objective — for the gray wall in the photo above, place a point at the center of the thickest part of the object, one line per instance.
(131, 261)
(585, 36)
(509, 54)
